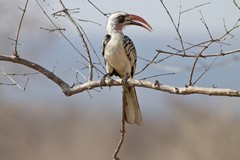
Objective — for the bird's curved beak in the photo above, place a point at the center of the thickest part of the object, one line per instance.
(139, 21)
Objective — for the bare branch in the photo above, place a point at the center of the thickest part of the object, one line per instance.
(206, 69)
(123, 130)
(105, 14)
(158, 86)
(206, 26)
(154, 76)
(202, 56)
(204, 48)
(195, 62)
(79, 28)
(235, 3)
(60, 31)
(150, 62)
(68, 91)
(64, 86)
(53, 30)
(12, 80)
(187, 10)
(85, 20)
(175, 26)
(22, 74)
(19, 28)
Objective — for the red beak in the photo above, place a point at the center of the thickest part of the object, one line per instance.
(139, 21)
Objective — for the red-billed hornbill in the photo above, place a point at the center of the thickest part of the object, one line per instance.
(120, 58)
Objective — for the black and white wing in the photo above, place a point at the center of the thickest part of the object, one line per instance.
(131, 53)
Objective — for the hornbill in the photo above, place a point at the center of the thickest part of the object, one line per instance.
(120, 58)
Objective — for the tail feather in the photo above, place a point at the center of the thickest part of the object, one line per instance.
(131, 106)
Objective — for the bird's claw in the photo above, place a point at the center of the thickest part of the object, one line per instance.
(103, 79)
(125, 79)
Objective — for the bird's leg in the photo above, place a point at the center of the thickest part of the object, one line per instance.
(125, 78)
(104, 78)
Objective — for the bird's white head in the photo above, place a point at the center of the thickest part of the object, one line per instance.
(118, 20)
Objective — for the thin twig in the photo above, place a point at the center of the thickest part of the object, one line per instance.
(95, 53)
(22, 74)
(148, 64)
(105, 14)
(60, 31)
(154, 76)
(202, 56)
(187, 10)
(175, 26)
(8, 84)
(15, 53)
(65, 37)
(201, 52)
(235, 3)
(85, 46)
(38, 68)
(53, 30)
(85, 20)
(123, 130)
(206, 26)
(179, 14)
(206, 69)
(12, 80)
(195, 62)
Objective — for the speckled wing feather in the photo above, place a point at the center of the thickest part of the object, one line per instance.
(130, 52)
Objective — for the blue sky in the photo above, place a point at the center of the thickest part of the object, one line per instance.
(51, 50)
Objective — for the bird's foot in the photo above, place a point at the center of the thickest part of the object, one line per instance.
(104, 78)
(125, 79)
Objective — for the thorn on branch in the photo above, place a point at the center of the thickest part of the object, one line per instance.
(214, 86)
(156, 83)
(176, 90)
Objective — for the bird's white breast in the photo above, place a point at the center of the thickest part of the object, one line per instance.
(115, 55)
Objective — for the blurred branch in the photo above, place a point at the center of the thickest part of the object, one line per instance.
(235, 3)
(14, 83)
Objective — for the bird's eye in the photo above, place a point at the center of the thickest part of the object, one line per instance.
(121, 19)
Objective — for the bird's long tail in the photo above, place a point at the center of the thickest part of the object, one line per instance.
(131, 107)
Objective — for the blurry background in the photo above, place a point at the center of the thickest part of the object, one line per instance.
(42, 123)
